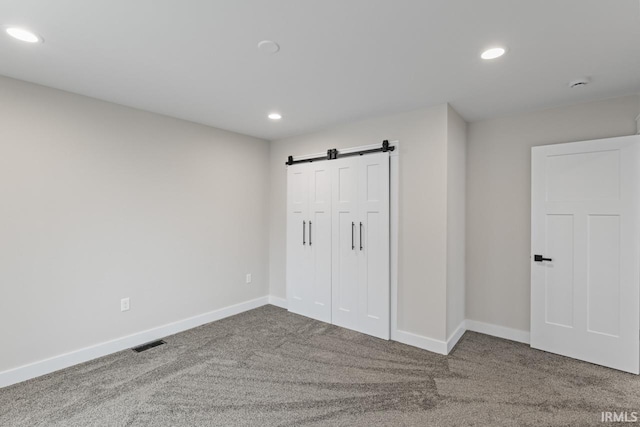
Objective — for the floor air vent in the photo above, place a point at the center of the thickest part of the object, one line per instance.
(147, 346)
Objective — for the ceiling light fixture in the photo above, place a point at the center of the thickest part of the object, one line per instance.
(269, 47)
(23, 35)
(275, 116)
(493, 53)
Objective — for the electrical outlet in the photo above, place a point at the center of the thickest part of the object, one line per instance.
(124, 304)
(249, 278)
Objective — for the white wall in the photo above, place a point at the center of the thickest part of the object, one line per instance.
(100, 202)
(456, 199)
(423, 208)
(499, 198)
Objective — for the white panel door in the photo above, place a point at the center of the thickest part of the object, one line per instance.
(319, 246)
(585, 225)
(298, 254)
(373, 245)
(345, 233)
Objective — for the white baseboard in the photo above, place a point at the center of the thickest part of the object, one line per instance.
(415, 340)
(66, 360)
(498, 331)
(277, 301)
(442, 347)
(430, 344)
(456, 335)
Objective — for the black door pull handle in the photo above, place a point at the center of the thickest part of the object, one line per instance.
(539, 258)
(353, 245)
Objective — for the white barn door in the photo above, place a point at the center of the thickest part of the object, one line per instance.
(345, 242)
(309, 240)
(298, 255)
(319, 272)
(373, 208)
(585, 254)
(360, 208)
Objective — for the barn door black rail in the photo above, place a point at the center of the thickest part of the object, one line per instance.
(333, 154)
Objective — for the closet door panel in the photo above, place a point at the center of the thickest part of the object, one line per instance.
(373, 207)
(344, 243)
(320, 241)
(298, 256)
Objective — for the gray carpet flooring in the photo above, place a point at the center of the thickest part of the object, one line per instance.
(268, 367)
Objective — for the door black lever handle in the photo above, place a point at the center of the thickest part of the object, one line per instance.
(539, 258)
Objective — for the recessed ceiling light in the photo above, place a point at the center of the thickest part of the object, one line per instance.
(23, 35)
(493, 53)
(275, 116)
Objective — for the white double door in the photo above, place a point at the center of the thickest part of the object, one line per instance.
(309, 240)
(585, 241)
(338, 242)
